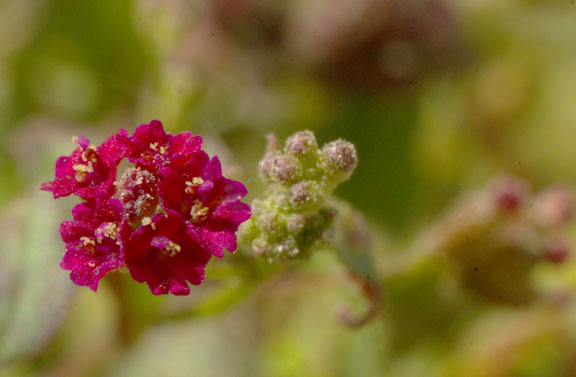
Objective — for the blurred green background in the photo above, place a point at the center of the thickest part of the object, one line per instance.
(439, 96)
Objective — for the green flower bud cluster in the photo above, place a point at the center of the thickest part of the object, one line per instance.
(496, 237)
(294, 217)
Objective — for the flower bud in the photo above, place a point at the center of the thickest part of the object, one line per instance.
(292, 221)
(295, 223)
(280, 168)
(305, 194)
(509, 193)
(286, 169)
(554, 207)
(339, 159)
(261, 247)
(282, 249)
(301, 144)
(266, 165)
(497, 237)
(286, 248)
(269, 223)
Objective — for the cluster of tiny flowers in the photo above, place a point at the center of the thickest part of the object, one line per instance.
(162, 219)
(295, 217)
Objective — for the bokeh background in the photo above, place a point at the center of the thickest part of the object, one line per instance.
(439, 97)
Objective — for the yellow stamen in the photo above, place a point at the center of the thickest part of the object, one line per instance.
(198, 212)
(111, 231)
(81, 171)
(88, 244)
(191, 186)
(172, 249)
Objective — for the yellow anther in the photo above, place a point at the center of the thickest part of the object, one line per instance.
(82, 170)
(198, 212)
(172, 249)
(191, 185)
(87, 241)
(111, 231)
(88, 244)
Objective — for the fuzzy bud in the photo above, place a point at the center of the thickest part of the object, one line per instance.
(286, 169)
(301, 144)
(292, 220)
(286, 248)
(280, 168)
(272, 144)
(268, 222)
(497, 237)
(339, 159)
(509, 193)
(305, 194)
(261, 247)
(266, 165)
(282, 249)
(295, 223)
(554, 207)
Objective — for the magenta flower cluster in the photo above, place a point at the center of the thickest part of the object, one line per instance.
(163, 219)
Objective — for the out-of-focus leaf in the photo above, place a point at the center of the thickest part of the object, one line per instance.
(34, 292)
(384, 185)
(215, 347)
(354, 248)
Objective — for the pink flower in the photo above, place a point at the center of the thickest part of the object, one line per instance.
(162, 219)
(89, 171)
(165, 254)
(206, 199)
(93, 246)
(152, 146)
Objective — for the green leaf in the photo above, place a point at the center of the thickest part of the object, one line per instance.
(34, 292)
